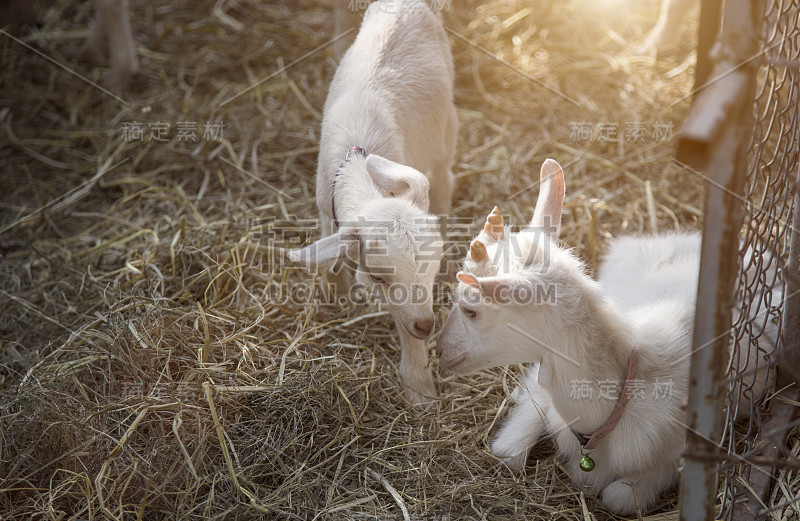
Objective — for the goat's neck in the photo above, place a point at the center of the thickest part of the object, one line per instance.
(363, 117)
(360, 118)
(587, 352)
(353, 188)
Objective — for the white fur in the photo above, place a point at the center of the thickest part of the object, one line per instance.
(644, 297)
(392, 96)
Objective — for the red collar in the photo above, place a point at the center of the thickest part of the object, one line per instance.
(588, 443)
(357, 150)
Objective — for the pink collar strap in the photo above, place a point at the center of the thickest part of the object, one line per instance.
(588, 443)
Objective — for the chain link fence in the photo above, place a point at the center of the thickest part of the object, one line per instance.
(750, 154)
(764, 286)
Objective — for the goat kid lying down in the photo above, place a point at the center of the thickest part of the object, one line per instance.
(387, 143)
(609, 358)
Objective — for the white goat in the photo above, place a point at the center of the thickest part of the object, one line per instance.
(389, 118)
(524, 299)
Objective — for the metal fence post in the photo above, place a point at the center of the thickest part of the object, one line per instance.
(714, 134)
(710, 11)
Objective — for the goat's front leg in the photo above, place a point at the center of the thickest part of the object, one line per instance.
(442, 180)
(415, 372)
(441, 192)
(631, 493)
(112, 20)
(665, 36)
(525, 424)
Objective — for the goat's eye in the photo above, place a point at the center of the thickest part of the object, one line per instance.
(377, 280)
(470, 313)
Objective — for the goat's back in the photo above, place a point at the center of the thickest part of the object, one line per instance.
(401, 50)
(640, 271)
(392, 93)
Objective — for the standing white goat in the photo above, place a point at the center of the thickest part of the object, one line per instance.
(389, 118)
(610, 358)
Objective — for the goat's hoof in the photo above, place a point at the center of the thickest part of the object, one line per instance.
(516, 463)
(647, 48)
(618, 497)
(655, 46)
(120, 80)
(421, 397)
(515, 460)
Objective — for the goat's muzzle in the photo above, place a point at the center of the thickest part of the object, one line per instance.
(423, 328)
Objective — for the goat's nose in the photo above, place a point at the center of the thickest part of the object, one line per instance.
(423, 327)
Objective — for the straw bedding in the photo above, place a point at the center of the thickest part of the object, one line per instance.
(162, 360)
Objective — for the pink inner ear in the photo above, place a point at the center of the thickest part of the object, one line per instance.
(468, 279)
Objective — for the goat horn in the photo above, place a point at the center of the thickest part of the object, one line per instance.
(494, 224)
(477, 251)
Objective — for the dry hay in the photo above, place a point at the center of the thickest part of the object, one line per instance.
(154, 364)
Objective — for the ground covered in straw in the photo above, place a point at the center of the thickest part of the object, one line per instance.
(161, 360)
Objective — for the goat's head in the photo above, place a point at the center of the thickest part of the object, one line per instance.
(395, 244)
(508, 285)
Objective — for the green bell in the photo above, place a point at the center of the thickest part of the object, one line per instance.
(587, 464)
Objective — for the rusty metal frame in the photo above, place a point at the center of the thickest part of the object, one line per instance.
(712, 138)
(710, 17)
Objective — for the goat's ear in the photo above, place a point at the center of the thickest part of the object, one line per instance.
(399, 179)
(547, 215)
(325, 252)
(468, 279)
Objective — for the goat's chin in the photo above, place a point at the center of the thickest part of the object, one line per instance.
(411, 332)
(458, 365)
